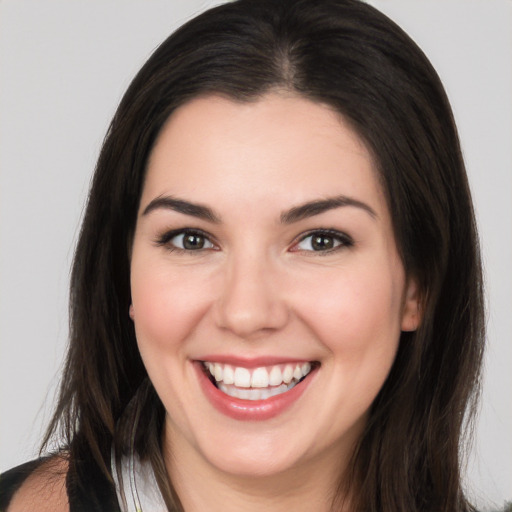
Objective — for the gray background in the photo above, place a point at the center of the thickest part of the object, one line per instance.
(65, 64)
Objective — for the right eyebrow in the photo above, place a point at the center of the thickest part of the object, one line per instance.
(181, 206)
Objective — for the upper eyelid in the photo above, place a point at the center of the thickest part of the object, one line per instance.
(327, 231)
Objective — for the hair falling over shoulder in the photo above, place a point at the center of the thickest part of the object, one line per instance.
(349, 56)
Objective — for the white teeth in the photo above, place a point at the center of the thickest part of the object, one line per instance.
(255, 394)
(218, 373)
(258, 383)
(264, 394)
(288, 373)
(229, 375)
(306, 368)
(276, 377)
(280, 389)
(244, 394)
(260, 378)
(242, 377)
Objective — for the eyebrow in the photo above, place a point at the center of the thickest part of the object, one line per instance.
(317, 207)
(290, 216)
(186, 207)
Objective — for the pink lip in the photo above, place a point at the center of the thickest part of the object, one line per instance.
(253, 362)
(249, 410)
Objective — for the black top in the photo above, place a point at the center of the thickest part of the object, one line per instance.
(88, 488)
(11, 480)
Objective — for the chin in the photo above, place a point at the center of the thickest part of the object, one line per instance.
(247, 462)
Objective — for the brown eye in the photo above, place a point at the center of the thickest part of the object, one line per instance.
(190, 241)
(193, 241)
(324, 241)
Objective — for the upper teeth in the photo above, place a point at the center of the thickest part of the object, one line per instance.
(260, 377)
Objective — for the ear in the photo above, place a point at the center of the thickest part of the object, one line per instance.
(131, 312)
(411, 311)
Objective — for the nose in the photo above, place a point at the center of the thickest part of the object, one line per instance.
(252, 301)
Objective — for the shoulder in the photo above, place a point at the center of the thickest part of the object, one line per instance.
(38, 485)
(68, 481)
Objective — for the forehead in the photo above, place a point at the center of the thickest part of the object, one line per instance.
(279, 147)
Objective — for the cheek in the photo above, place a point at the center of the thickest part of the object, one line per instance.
(357, 310)
(356, 316)
(166, 306)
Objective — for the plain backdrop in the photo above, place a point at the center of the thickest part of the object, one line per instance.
(64, 65)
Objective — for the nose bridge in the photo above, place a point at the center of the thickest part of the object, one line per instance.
(251, 301)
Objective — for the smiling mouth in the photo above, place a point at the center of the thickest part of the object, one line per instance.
(257, 383)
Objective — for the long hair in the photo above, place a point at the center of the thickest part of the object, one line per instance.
(345, 54)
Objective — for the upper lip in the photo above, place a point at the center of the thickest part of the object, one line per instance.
(251, 362)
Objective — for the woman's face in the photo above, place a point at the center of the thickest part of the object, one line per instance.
(264, 254)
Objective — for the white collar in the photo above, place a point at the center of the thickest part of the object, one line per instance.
(138, 486)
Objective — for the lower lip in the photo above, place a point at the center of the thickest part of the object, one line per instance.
(250, 410)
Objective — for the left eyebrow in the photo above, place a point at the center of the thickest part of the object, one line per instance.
(319, 206)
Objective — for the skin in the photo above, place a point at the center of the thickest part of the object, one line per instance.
(44, 490)
(258, 289)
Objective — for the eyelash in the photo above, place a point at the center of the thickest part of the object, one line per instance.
(165, 239)
(342, 239)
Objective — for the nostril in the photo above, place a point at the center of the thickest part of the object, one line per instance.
(250, 302)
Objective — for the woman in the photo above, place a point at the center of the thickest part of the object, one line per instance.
(276, 297)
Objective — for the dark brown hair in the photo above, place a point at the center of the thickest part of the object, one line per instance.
(347, 55)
